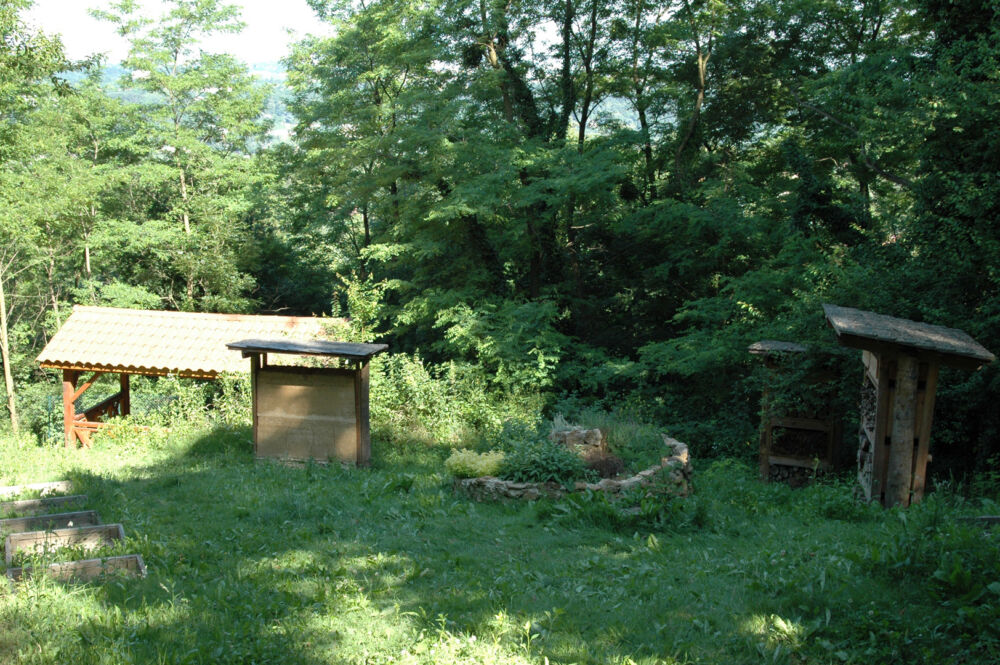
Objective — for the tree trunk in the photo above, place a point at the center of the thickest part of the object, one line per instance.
(184, 198)
(8, 377)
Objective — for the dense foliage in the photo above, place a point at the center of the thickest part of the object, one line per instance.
(600, 203)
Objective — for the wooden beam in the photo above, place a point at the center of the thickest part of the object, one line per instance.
(899, 476)
(361, 414)
(926, 414)
(126, 393)
(69, 417)
(86, 385)
(254, 403)
(880, 449)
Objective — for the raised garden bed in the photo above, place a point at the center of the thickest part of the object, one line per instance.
(54, 521)
(672, 474)
(85, 570)
(85, 537)
(28, 507)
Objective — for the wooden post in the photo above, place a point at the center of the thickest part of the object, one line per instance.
(254, 371)
(69, 416)
(361, 414)
(899, 476)
(880, 447)
(125, 400)
(926, 412)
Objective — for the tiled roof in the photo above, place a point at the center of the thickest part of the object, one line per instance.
(187, 344)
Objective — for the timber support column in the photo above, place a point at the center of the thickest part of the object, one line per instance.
(124, 395)
(899, 476)
(69, 415)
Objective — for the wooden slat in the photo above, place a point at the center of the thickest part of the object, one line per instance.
(40, 506)
(85, 570)
(86, 537)
(802, 462)
(899, 476)
(54, 521)
(811, 424)
(925, 412)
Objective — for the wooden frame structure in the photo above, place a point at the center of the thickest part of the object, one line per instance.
(901, 360)
(95, 341)
(310, 413)
(823, 422)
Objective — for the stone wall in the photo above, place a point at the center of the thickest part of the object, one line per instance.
(673, 473)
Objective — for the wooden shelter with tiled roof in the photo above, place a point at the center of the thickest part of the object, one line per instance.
(901, 359)
(104, 340)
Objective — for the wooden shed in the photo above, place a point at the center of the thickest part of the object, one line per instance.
(794, 445)
(901, 360)
(105, 340)
(310, 413)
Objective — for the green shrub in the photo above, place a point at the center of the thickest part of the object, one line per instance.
(464, 463)
(541, 460)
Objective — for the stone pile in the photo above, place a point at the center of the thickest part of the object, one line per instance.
(673, 474)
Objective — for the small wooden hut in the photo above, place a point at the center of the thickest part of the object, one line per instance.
(901, 360)
(794, 445)
(310, 413)
(95, 341)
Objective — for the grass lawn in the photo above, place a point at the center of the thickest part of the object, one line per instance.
(261, 563)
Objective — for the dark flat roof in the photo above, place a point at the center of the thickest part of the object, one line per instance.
(868, 330)
(348, 350)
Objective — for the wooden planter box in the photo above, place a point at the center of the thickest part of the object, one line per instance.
(87, 569)
(40, 506)
(87, 537)
(56, 521)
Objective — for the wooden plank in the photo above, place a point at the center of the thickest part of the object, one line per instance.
(85, 570)
(801, 462)
(306, 416)
(364, 450)
(255, 399)
(880, 448)
(899, 476)
(86, 537)
(40, 506)
(43, 489)
(348, 350)
(925, 412)
(811, 424)
(126, 393)
(53, 521)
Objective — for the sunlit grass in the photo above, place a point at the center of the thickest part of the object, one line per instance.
(259, 562)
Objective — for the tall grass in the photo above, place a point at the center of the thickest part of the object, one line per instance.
(258, 562)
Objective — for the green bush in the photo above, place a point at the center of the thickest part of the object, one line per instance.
(541, 460)
(464, 463)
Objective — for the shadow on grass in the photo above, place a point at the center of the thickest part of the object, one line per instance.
(260, 562)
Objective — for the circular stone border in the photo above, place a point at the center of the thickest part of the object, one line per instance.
(675, 469)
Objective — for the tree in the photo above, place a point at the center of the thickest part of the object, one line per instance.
(28, 63)
(203, 120)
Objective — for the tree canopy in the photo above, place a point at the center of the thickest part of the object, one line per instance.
(597, 201)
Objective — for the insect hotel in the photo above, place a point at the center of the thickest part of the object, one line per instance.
(794, 445)
(310, 413)
(901, 360)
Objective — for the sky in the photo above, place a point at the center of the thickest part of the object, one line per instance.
(265, 39)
